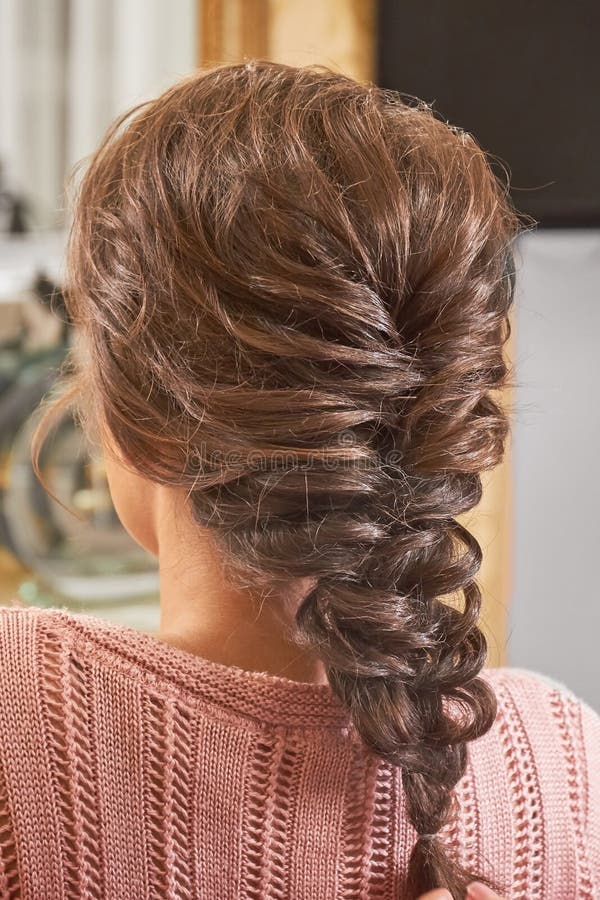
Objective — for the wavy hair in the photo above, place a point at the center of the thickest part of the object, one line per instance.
(295, 292)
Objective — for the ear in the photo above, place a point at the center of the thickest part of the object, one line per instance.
(135, 500)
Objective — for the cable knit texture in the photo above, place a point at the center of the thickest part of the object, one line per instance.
(131, 769)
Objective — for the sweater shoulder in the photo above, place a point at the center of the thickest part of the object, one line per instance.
(22, 631)
(19, 629)
(16, 619)
(529, 684)
(20, 667)
(542, 706)
(18, 624)
(549, 740)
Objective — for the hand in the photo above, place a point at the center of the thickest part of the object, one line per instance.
(475, 891)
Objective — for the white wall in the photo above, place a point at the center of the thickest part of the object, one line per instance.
(554, 623)
(33, 36)
(67, 68)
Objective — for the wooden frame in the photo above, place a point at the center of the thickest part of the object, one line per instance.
(340, 33)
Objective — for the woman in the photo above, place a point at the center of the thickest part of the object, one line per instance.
(292, 292)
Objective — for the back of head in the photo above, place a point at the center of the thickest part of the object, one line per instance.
(295, 290)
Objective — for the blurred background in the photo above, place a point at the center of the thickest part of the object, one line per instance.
(522, 78)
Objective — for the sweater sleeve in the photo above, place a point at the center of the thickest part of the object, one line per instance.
(590, 734)
(578, 735)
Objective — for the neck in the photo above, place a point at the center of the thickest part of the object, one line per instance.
(203, 612)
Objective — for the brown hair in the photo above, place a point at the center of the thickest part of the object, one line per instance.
(295, 292)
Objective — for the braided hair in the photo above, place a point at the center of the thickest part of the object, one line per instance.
(296, 290)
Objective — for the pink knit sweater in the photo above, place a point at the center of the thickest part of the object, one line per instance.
(131, 769)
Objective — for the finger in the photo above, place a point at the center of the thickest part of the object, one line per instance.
(437, 894)
(478, 891)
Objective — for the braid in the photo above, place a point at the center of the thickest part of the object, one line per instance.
(338, 295)
(395, 667)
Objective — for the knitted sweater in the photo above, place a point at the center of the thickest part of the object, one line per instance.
(132, 769)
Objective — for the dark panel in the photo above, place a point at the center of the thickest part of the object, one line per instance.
(523, 77)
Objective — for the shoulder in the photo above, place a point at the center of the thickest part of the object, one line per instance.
(549, 741)
(18, 627)
(18, 621)
(544, 708)
(23, 640)
(22, 631)
(527, 681)
(538, 698)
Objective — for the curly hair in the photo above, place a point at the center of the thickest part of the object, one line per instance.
(295, 292)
